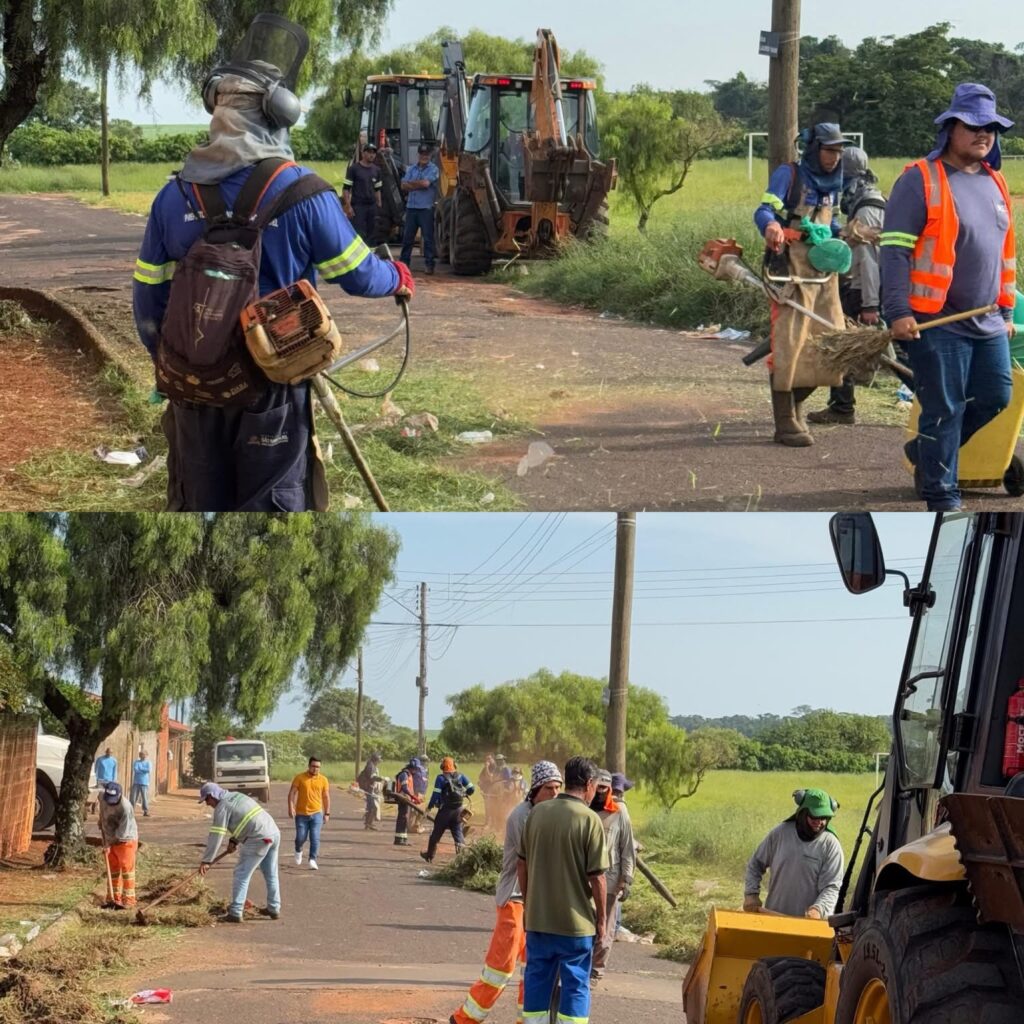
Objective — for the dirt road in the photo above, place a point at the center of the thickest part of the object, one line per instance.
(638, 417)
(363, 940)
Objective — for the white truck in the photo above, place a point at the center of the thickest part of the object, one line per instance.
(243, 765)
(50, 754)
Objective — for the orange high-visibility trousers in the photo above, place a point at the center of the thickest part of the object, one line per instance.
(507, 948)
(121, 858)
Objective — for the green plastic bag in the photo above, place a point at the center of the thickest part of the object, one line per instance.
(815, 233)
(831, 257)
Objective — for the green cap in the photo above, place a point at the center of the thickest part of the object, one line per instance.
(816, 802)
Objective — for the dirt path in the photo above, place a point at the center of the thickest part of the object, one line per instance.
(637, 416)
(364, 940)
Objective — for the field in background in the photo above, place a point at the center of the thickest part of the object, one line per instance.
(699, 849)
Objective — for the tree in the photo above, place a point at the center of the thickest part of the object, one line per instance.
(111, 615)
(673, 765)
(656, 138)
(336, 709)
(68, 105)
(743, 101)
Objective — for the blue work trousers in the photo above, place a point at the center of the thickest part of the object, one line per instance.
(140, 794)
(253, 854)
(424, 221)
(308, 825)
(557, 956)
(962, 383)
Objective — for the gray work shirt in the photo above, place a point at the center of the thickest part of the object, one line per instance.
(240, 818)
(508, 881)
(803, 875)
(117, 822)
(984, 220)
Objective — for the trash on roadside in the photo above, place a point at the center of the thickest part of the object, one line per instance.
(424, 873)
(423, 420)
(536, 455)
(329, 453)
(10, 945)
(409, 432)
(475, 436)
(540, 366)
(904, 394)
(368, 365)
(132, 458)
(152, 995)
(488, 498)
(351, 501)
(390, 413)
(138, 479)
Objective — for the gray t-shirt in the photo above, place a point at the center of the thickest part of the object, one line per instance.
(984, 220)
(803, 875)
(508, 880)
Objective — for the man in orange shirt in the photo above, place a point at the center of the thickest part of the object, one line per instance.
(309, 803)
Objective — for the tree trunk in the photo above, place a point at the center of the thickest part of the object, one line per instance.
(69, 841)
(104, 135)
(645, 213)
(25, 69)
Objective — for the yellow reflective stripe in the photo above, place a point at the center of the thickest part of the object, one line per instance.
(347, 183)
(540, 1016)
(153, 273)
(901, 235)
(245, 821)
(772, 200)
(378, 184)
(489, 976)
(901, 243)
(346, 262)
(563, 1019)
(218, 830)
(472, 1009)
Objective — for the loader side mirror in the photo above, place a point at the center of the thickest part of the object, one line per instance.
(858, 551)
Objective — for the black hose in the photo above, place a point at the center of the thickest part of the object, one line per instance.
(378, 344)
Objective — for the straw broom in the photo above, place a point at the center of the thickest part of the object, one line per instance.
(857, 351)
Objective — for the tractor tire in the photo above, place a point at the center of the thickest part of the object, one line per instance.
(1013, 479)
(597, 229)
(442, 235)
(781, 988)
(468, 250)
(922, 958)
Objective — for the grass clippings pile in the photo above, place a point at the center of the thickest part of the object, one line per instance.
(475, 868)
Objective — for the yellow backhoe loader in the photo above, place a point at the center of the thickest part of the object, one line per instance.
(933, 929)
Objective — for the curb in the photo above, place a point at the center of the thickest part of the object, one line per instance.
(79, 332)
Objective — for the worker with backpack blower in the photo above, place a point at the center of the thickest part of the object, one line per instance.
(242, 220)
(451, 788)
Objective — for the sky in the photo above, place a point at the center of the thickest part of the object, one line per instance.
(669, 44)
(732, 614)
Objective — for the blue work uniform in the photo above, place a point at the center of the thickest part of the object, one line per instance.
(419, 212)
(775, 200)
(261, 457)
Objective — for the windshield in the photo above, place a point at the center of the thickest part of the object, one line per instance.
(590, 137)
(478, 124)
(422, 110)
(240, 752)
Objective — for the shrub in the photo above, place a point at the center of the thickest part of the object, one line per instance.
(329, 745)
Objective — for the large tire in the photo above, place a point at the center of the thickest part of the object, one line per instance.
(469, 251)
(781, 988)
(597, 229)
(46, 804)
(922, 957)
(442, 226)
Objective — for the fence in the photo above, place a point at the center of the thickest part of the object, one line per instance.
(17, 782)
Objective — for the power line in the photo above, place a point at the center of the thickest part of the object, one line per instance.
(694, 622)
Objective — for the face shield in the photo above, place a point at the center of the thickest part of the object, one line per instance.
(271, 40)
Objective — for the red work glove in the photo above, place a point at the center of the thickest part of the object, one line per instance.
(406, 285)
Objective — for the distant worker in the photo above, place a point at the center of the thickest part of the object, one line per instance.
(142, 767)
(309, 803)
(949, 247)
(248, 826)
(562, 860)
(405, 791)
(420, 187)
(120, 834)
(508, 940)
(420, 783)
(361, 193)
(802, 201)
(106, 767)
(487, 784)
(618, 879)
(804, 858)
(371, 782)
(863, 204)
(451, 788)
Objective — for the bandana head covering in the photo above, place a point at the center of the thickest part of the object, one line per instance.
(544, 772)
(824, 134)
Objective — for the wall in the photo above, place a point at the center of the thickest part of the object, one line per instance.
(17, 782)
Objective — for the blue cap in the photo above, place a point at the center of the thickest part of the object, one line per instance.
(112, 792)
(975, 105)
(620, 783)
(211, 789)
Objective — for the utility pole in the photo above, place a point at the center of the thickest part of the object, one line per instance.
(421, 679)
(622, 614)
(359, 712)
(783, 83)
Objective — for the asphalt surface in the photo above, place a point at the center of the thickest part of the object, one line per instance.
(363, 940)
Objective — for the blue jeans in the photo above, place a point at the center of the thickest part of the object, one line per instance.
(424, 220)
(140, 793)
(550, 956)
(962, 383)
(308, 825)
(253, 854)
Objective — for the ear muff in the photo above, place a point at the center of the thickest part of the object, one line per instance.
(280, 106)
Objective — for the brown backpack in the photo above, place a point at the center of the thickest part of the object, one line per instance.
(201, 355)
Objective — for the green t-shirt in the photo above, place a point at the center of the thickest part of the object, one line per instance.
(563, 844)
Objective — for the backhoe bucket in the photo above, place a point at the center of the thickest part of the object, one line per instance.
(734, 940)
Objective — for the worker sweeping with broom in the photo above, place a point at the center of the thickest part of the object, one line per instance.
(120, 834)
(798, 219)
(948, 250)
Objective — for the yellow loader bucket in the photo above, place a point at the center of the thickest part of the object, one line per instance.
(732, 942)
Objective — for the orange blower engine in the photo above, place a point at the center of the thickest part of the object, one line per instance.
(1013, 749)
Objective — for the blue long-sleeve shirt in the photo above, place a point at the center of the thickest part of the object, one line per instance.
(106, 769)
(313, 237)
(773, 202)
(422, 198)
(442, 785)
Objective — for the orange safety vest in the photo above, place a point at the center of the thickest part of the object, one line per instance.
(935, 252)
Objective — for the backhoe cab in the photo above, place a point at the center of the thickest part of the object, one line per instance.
(520, 162)
(933, 930)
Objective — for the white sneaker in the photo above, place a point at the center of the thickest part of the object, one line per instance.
(298, 857)
(312, 865)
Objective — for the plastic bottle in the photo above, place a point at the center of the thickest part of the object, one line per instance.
(476, 436)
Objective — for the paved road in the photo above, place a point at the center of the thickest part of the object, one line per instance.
(363, 940)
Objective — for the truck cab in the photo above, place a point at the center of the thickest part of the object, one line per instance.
(243, 766)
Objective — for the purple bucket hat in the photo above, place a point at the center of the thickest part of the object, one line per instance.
(972, 104)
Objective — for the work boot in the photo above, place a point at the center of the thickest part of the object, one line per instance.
(230, 919)
(800, 396)
(787, 429)
(830, 414)
(426, 856)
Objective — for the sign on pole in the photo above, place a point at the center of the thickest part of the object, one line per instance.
(769, 46)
